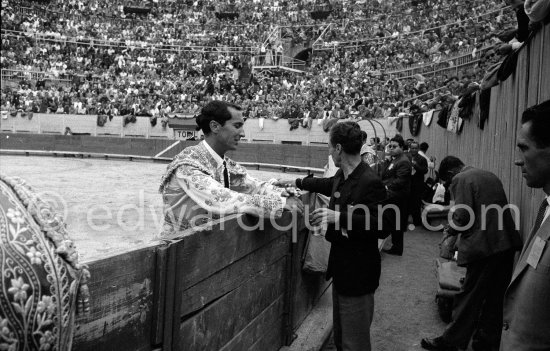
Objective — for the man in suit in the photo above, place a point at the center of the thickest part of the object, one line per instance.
(396, 176)
(526, 324)
(202, 182)
(486, 247)
(352, 226)
(419, 169)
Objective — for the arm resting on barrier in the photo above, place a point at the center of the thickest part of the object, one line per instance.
(213, 197)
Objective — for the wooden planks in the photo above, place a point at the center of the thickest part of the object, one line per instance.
(226, 317)
(263, 333)
(233, 275)
(205, 253)
(225, 279)
(291, 155)
(121, 289)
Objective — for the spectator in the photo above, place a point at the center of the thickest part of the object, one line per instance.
(487, 252)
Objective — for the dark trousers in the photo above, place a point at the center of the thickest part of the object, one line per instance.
(415, 205)
(477, 310)
(352, 318)
(397, 235)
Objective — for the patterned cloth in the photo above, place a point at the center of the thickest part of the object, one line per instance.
(41, 275)
(193, 192)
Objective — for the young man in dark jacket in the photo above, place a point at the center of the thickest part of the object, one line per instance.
(352, 226)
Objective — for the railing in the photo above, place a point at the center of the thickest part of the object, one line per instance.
(12, 75)
(320, 38)
(355, 43)
(452, 63)
(129, 43)
(276, 31)
(278, 61)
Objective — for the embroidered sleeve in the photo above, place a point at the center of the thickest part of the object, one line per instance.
(255, 186)
(210, 194)
(369, 158)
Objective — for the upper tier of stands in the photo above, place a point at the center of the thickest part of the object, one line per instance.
(153, 58)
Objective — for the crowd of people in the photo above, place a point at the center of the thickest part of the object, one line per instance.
(133, 79)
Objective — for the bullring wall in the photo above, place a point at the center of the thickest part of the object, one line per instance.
(291, 155)
(272, 131)
(234, 286)
(493, 148)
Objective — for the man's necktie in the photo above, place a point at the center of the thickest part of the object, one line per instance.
(225, 175)
(540, 215)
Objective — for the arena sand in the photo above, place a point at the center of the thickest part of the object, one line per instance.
(110, 206)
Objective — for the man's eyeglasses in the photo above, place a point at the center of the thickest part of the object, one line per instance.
(393, 146)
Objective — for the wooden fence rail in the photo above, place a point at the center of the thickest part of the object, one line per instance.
(235, 286)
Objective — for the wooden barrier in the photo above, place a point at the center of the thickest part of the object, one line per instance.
(280, 155)
(236, 286)
(493, 148)
(272, 132)
(122, 300)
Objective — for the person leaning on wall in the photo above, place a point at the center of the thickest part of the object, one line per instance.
(488, 240)
(203, 181)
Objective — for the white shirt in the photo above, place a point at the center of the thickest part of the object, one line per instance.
(430, 163)
(219, 162)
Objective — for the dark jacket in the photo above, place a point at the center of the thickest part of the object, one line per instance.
(478, 189)
(396, 176)
(420, 165)
(354, 262)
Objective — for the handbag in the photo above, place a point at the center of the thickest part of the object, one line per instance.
(317, 249)
(316, 254)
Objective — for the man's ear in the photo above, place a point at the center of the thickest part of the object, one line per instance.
(214, 126)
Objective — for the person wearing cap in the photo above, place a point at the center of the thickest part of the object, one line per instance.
(202, 182)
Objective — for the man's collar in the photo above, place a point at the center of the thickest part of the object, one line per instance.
(358, 170)
(355, 174)
(215, 156)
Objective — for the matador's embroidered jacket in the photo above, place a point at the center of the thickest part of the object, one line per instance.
(193, 191)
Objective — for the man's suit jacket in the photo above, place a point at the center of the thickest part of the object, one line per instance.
(483, 193)
(396, 176)
(354, 261)
(526, 324)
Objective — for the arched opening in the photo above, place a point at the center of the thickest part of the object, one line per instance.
(304, 55)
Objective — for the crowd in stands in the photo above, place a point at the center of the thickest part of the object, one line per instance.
(136, 78)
